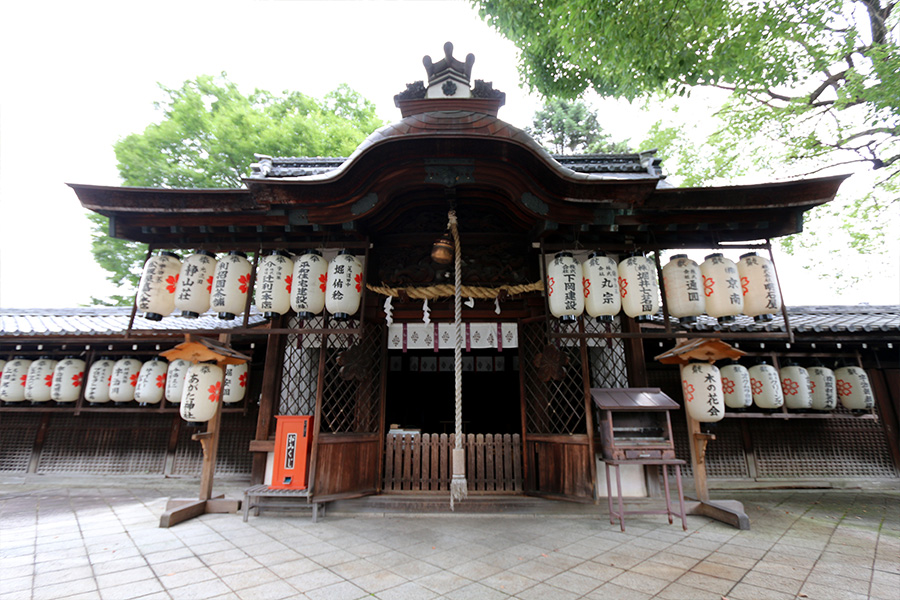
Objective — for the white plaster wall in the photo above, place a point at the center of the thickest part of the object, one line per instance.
(633, 480)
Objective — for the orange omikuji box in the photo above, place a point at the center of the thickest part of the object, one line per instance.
(293, 442)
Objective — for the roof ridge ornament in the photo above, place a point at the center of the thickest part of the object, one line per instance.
(449, 77)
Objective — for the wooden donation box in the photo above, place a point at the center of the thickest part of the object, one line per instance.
(634, 423)
(293, 441)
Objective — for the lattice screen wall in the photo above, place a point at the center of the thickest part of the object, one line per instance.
(17, 440)
(299, 376)
(352, 390)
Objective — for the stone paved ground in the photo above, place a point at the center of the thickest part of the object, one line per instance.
(86, 540)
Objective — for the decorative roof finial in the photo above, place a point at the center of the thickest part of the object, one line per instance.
(449, 77)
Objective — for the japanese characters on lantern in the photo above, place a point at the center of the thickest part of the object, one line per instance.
(565, 287)
(602, 299)
(853, 388)
(766, 386)
(231, 284)
(309, 284)
(202, 392)
(156, 291)
(175, 379)
(343, 289)
(124, 379)
(274, 276)
(234, 388)
(68, 378)
(638, 286)
(722, 288)
(151, 382)
(683, 286)
(736, 386)
(40, 380)
(762, 298)
(795, 387)
(12, 382)
(96, 389)
(195, 282)
(701, 383)
(823, 387)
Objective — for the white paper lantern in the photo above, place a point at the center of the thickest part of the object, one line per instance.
(343, 290)
(234, 388)
(639, 287)
(68, 377)
(823, 387)
(602, 299)
(96, 389)
(274, 276)
(12, 383)
(795, 387)
(766, 386)
(151, 382)
(309, 284)
(124, 379)
(156, 291)
(39, 383)
(178, 368)
(702, 386)
(202, 392)
(231, 284)
(683, 285)
(565, 287)
(853, 388)
(195, 283)
(736, 386)
(722, 288)
(762, 297)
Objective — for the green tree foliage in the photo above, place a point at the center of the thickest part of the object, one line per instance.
(569, 126)
(207, 137)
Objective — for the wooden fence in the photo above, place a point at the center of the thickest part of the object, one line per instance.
(422, 462)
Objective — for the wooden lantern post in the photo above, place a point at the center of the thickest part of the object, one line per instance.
(196, 350)
(710, 350)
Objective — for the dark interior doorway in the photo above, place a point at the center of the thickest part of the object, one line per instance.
(420, 391)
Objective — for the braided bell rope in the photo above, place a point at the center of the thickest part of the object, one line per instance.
(459, 488)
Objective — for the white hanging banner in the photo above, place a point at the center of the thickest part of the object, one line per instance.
(421, 336)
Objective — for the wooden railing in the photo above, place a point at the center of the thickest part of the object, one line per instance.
(421, 462)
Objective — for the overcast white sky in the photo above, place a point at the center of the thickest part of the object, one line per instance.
(77, 76)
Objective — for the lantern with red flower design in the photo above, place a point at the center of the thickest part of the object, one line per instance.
(639, 287)
(195, 284)
(231, 284)
(274, 276)
(309, 284)
(67, 380)
(602, 299)
(202, 392)
(39, 382)
(762, 298)
(722, 288)
(683, 286)
(156, 291)
(124, 379)
(701, 384)
(96, 389)
(766, 386)
(795, 387)
(151, 382)
(736, 386)
(12, 383)
(178, 369)
(853, 388)
(343, 290)
(565, 287)
(823, 387)
(234, 388)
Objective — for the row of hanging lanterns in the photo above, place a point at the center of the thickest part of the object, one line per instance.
(718, 287)
(306, 284)
(708, 390)
(120, 381)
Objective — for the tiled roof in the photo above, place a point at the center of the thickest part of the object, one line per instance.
(860, 318)
(101, 321)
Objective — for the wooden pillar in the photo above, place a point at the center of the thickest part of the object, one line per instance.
(268, 398)
(635, 362)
